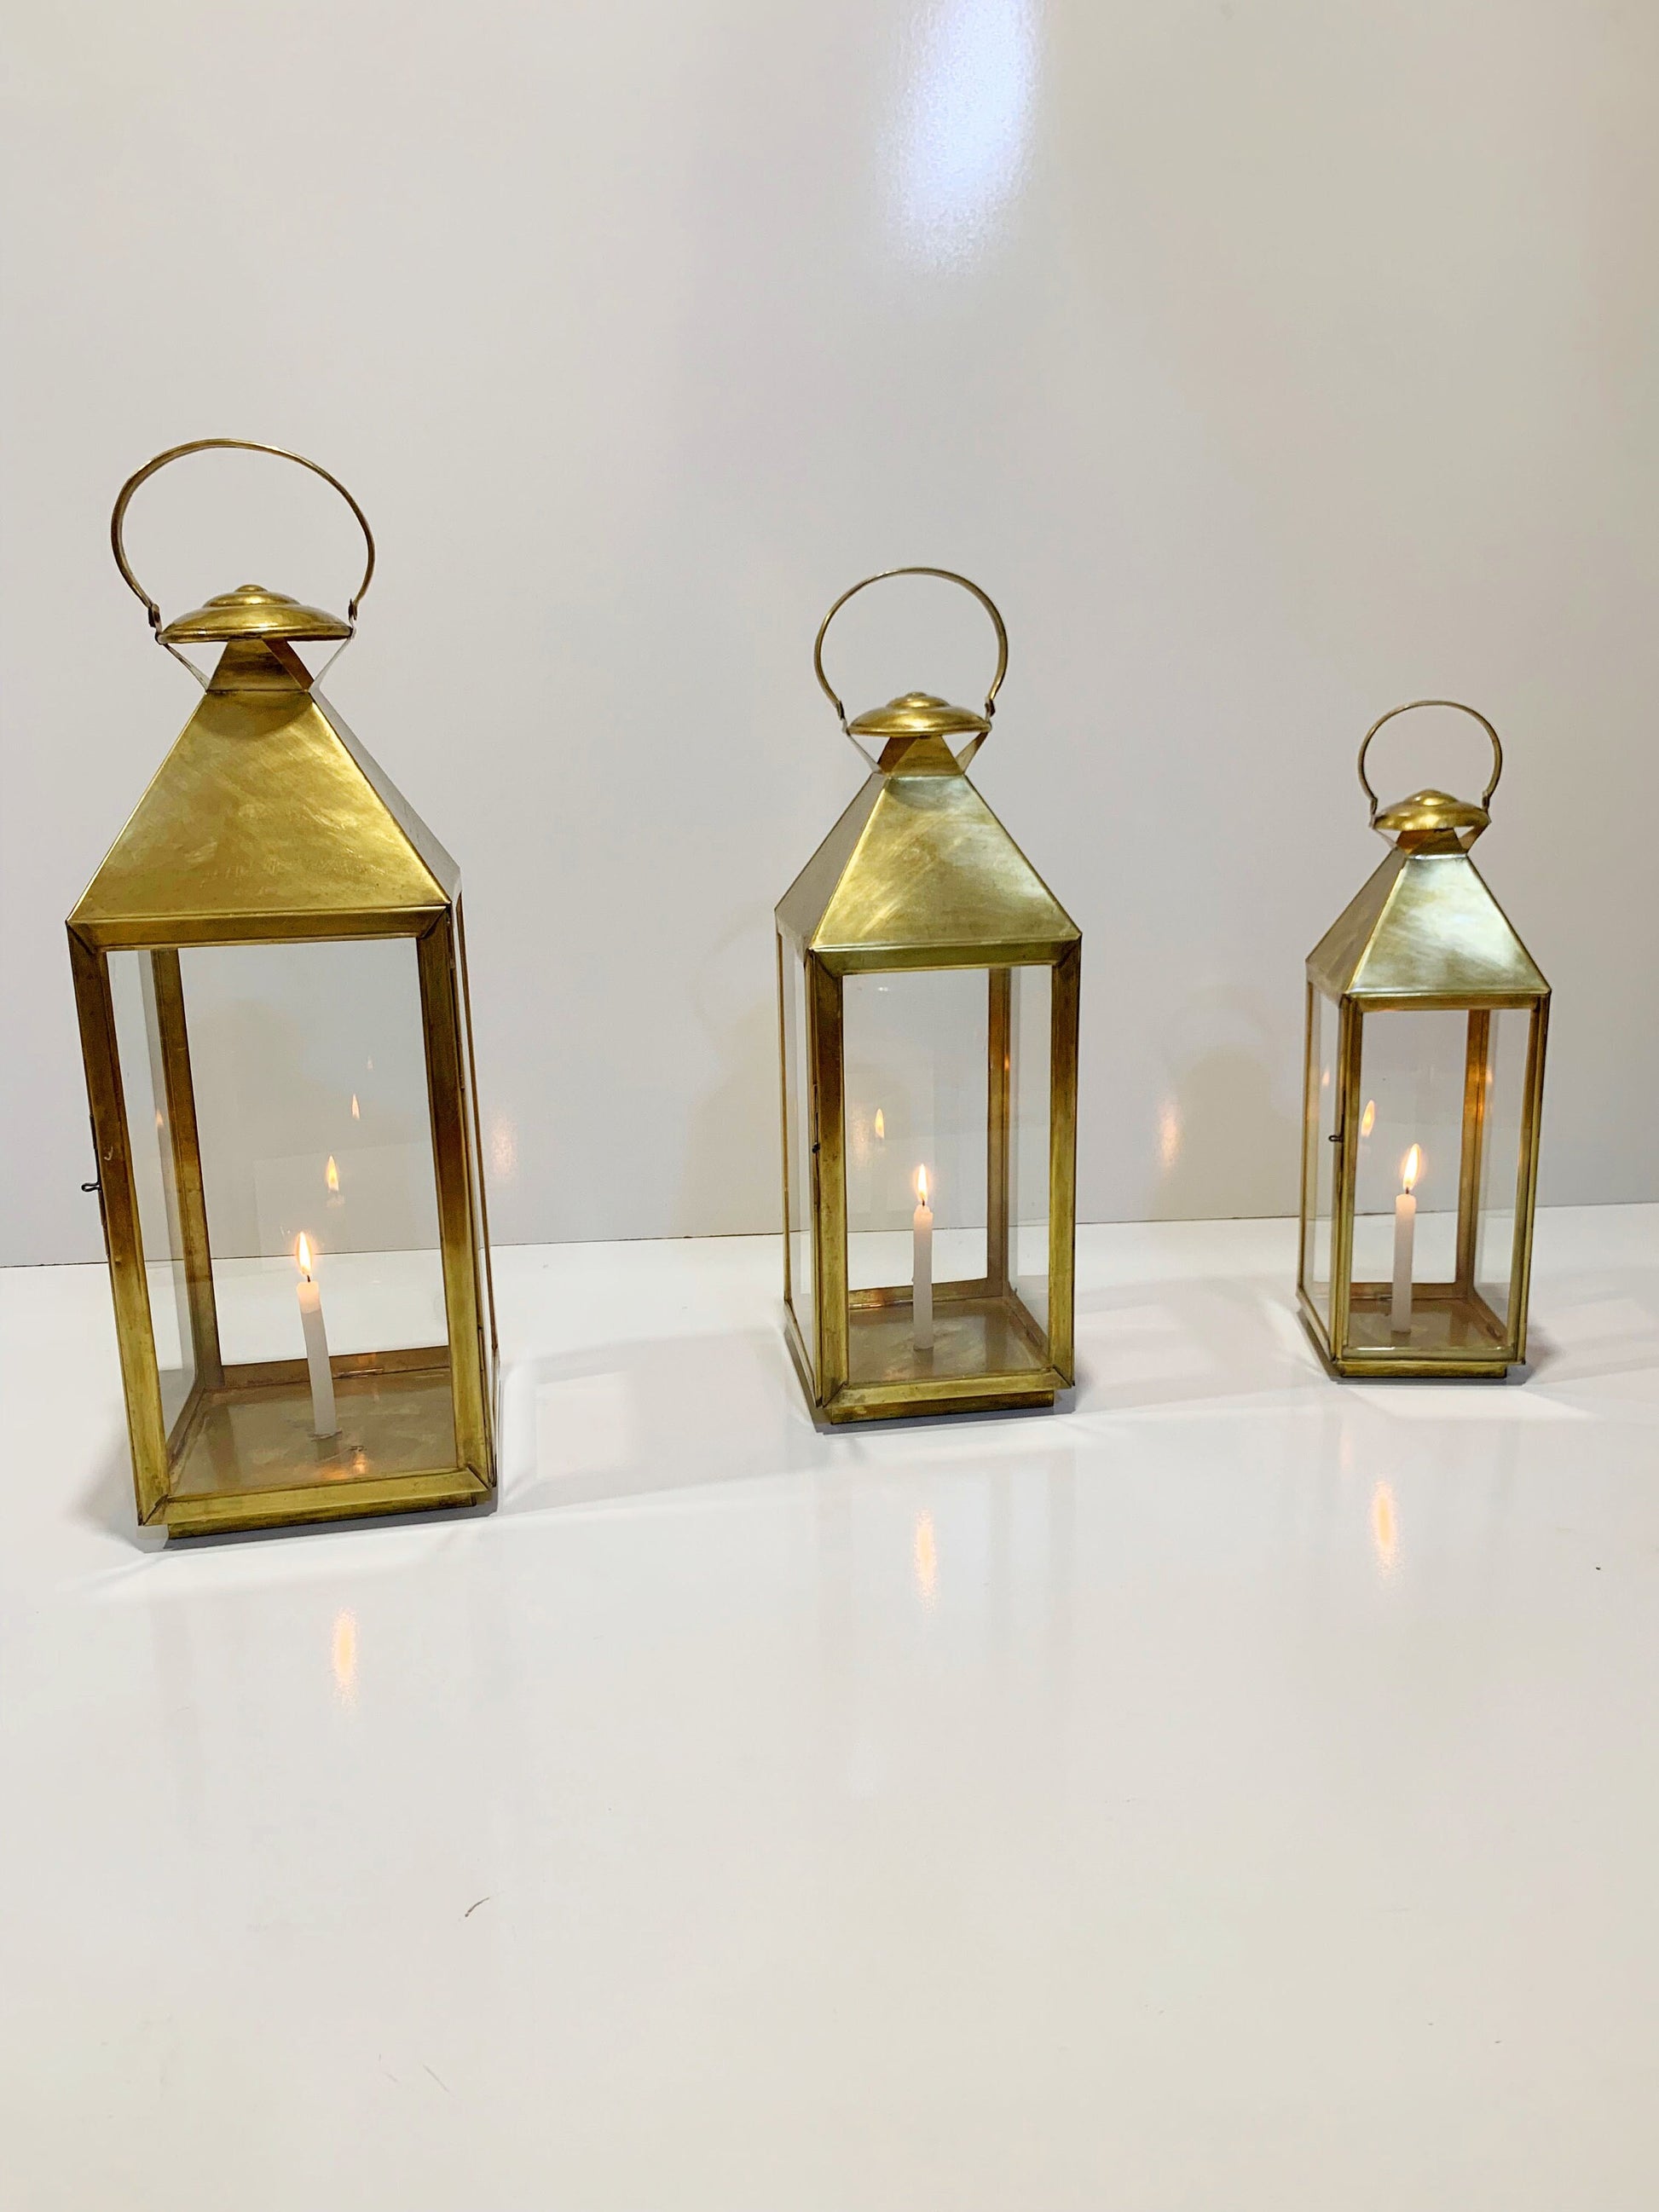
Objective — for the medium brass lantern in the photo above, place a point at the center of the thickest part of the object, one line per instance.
(271, 982)
(1425, 1081)
(927, 983)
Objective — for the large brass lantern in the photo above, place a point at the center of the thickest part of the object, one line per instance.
(927, 984)
(1426, 1021)
(272, 992)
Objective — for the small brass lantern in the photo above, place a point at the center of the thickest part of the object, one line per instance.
(1425, 1081)
(271, 982)
(927, 983)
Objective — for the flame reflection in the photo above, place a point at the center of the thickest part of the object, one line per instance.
(926, 1549)
(345, 1655)
(1385, 1527)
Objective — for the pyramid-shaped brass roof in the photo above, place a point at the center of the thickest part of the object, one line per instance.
(266, 820)
(919, 873)
(1425, 927)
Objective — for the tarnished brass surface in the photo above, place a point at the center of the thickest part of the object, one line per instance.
(917, 714)
(265, 821)
(1426, 928)
(437, 1490)
(269, 821)
(919, 873)
(1424, 932)
(252, 611)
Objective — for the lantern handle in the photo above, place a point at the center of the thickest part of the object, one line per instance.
(1410, 707)
(947, 575)
(238, 446)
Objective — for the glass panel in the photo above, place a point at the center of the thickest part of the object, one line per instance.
(797, 1227)
(150, 1145)
(1500, 1156)
(918, 1059)
(915, 1049)
(312, 1103)
(1320, 1120)
(307, 1067)
(1415, 1221)
(1030, 1056)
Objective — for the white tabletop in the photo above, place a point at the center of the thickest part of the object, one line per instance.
(1238, 1792)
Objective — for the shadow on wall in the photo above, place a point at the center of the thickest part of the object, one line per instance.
(1229, 1125)
(732, 1139)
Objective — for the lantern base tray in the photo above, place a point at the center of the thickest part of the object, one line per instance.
(988, 1355)
(973, 1335)
(1454, 1332)
(245, 1456)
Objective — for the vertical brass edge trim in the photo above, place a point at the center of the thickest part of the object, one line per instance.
(185, 1137)
(1309, 1123)
(1062, 1161)
(828, 1076)
(998, 1055)
(440, 1020)
(1350, 1037)
(783, 1098)
(1526, 1180)
(123, 1243)
(477, 1126)
(1476, 1062)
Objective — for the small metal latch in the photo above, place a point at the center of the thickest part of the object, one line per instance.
(92, 1185)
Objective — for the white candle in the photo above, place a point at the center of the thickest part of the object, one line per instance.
(921, 1266)
(1405, 1235)
(322, 1421)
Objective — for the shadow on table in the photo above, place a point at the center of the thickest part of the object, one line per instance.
(108, 1501)
(1601, 1324)
(1184, 1342)
(632, 1420)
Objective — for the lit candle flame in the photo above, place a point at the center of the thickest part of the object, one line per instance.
(881, 1125)
(922, 1185)
(1368, 1119)
(1411, 1167)
(331, 1176)
(302, 1254)
(356, 1110)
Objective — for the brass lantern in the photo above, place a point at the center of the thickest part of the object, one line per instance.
(271, 982)
(1424, 1080)
(927, 983)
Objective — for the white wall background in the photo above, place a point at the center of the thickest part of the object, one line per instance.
(1270, 361)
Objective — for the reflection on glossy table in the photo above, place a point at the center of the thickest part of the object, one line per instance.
(1236, 1792)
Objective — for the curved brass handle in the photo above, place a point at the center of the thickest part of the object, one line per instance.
(1410, 707)
(947, 575)
(239, 446)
